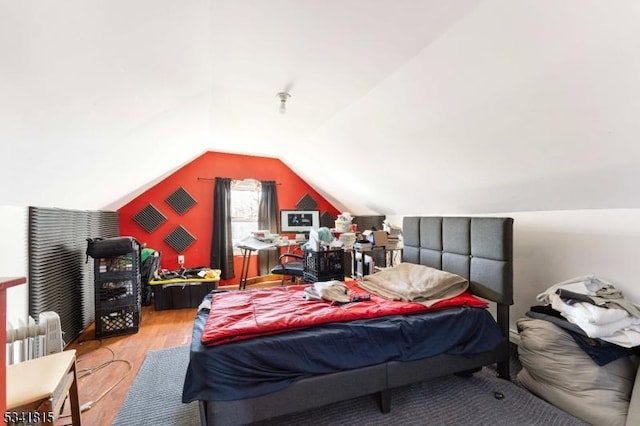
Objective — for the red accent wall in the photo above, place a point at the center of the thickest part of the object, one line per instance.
(199, 218)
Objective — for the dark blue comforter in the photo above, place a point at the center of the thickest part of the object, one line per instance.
(267, 364)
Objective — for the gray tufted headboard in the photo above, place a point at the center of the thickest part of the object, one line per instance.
(477, 248)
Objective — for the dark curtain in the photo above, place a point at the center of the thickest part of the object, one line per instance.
(221, 243)
(268, 218)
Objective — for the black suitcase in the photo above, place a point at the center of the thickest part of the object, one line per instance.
(98, 248)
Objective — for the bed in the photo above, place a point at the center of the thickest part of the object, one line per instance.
(255, 379)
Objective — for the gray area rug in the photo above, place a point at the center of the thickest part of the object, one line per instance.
(155, 399)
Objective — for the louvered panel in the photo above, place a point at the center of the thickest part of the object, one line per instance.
(149, 218)
(180, 201)
(327, 220)
(60, 279)
(307, 203)
(369, 222)
(180, 239)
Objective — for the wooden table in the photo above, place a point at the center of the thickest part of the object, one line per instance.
(39, 388)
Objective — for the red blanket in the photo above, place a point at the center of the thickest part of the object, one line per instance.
(241, 315)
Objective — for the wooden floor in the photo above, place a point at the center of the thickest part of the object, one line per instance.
(115, 361)
(123, 356)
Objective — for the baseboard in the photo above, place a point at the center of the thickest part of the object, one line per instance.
(514, 337)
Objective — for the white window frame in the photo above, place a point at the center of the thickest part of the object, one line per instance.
(243, 214)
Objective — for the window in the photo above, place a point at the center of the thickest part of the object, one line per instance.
(245, 200)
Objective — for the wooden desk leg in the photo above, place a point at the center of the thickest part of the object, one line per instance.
(244, 264)
(74, 399)
(246, 260)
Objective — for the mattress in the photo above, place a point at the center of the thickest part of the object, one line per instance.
(262, 365)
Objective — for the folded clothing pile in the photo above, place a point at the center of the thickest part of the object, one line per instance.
(577, 349)
(333, 291)
(597, 308)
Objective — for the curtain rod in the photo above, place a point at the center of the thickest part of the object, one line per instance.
(206, 178)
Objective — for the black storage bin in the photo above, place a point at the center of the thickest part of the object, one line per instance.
(114, 322)
(179, 296)
(323, 265)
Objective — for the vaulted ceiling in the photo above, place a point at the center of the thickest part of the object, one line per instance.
(397, 107)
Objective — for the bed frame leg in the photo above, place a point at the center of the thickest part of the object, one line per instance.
(384, 399)
(503, 370)
(202, 408)
(503, 323)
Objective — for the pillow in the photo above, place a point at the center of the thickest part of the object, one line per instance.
(557, 370)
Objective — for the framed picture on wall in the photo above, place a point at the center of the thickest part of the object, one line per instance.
(299, 220)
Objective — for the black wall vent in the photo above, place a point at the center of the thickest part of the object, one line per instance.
(180, 239)
(180, 201)
(307, 203)
(327, 220)
(149, 218)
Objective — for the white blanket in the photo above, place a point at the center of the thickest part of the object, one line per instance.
(601, 292)
(415, 283)
(609, 324)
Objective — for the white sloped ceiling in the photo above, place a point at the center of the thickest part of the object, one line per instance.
(397, 107)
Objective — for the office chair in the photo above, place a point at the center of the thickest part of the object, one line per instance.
(148, 271)
(289, 264)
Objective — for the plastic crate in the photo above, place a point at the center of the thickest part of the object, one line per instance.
(117, 266)
(323, 265)
(117, 292)
(125, 320)
(122, 263)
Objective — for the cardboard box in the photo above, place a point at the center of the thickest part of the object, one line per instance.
(378, 238)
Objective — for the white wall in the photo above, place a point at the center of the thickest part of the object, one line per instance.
(14, 258)
(550, 247)
(100, 98)
(554, 246)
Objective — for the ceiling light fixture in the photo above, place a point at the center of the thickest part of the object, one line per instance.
(284, 96)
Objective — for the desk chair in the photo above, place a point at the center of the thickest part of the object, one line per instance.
(39, 387)
(289, 265)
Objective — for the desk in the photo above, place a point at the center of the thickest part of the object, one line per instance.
(247, 247)
(5, 283)
(388, 257)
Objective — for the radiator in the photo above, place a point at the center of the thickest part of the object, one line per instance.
(31, 339)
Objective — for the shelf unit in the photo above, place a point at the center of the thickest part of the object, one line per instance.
(117, 291)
